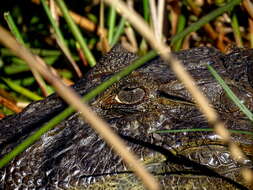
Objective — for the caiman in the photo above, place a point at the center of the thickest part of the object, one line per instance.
(73, 156)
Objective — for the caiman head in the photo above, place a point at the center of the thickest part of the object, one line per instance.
(150, 99)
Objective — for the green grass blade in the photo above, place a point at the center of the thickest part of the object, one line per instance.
(53, 23)
(118, 32)
(19, 66)
(18, 36)
(60, 39)
(204, 20)
(13, 27)
(201, 130)
(34, 137)
(230, 93)
(112, 20)
(22, 90)
(236, 30)
(146, 10)
(76, 32)
(68, 111)
(180, 28)
(41, 52)
(146, 15)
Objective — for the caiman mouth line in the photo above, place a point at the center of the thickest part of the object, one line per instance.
(72, 155)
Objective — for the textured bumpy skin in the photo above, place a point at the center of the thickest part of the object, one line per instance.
(73, 156)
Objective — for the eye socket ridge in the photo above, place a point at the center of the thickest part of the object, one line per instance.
(130, 95)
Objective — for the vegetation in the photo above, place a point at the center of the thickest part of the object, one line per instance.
(71, 37)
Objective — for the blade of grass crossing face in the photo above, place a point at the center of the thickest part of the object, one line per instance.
(202, 130)
(68, 111)
(230, 93)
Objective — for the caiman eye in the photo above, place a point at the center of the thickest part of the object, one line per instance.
(130, 95)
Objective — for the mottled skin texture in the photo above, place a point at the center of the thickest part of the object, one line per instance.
(151, 98)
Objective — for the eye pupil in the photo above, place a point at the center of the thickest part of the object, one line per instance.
(131, 95)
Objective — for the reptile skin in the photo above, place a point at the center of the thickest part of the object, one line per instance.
(73, 156)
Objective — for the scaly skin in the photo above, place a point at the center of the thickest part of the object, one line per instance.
(73, 156)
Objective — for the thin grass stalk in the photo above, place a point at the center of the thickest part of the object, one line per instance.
(48, 60)
(251, 32)
(204, 20)
(12, 26)
(27, 93)
(111, 24)
(18, 36)
(74, 100)
(19, 66)
(180, 27)
(76, 32)
(230, 93)
(102, 15)
(41, 52)
(202, 130)
(119, 31)
(60, 39)
(152, 5)
(68, 111)
(146, 15)
(146, 10)
(52, 21)
(102, 34)
(160, 18)
(130, 33)
(236, 30)
(185, 78)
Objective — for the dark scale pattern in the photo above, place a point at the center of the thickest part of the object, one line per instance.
(72, 155)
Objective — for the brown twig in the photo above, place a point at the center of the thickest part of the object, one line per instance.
(207, 27)
(84, 22)
(9, 104)
(80, 20)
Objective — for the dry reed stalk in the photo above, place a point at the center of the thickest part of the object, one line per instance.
(189, 83)
(73, 99)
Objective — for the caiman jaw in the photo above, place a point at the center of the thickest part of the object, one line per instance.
(73, 156)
